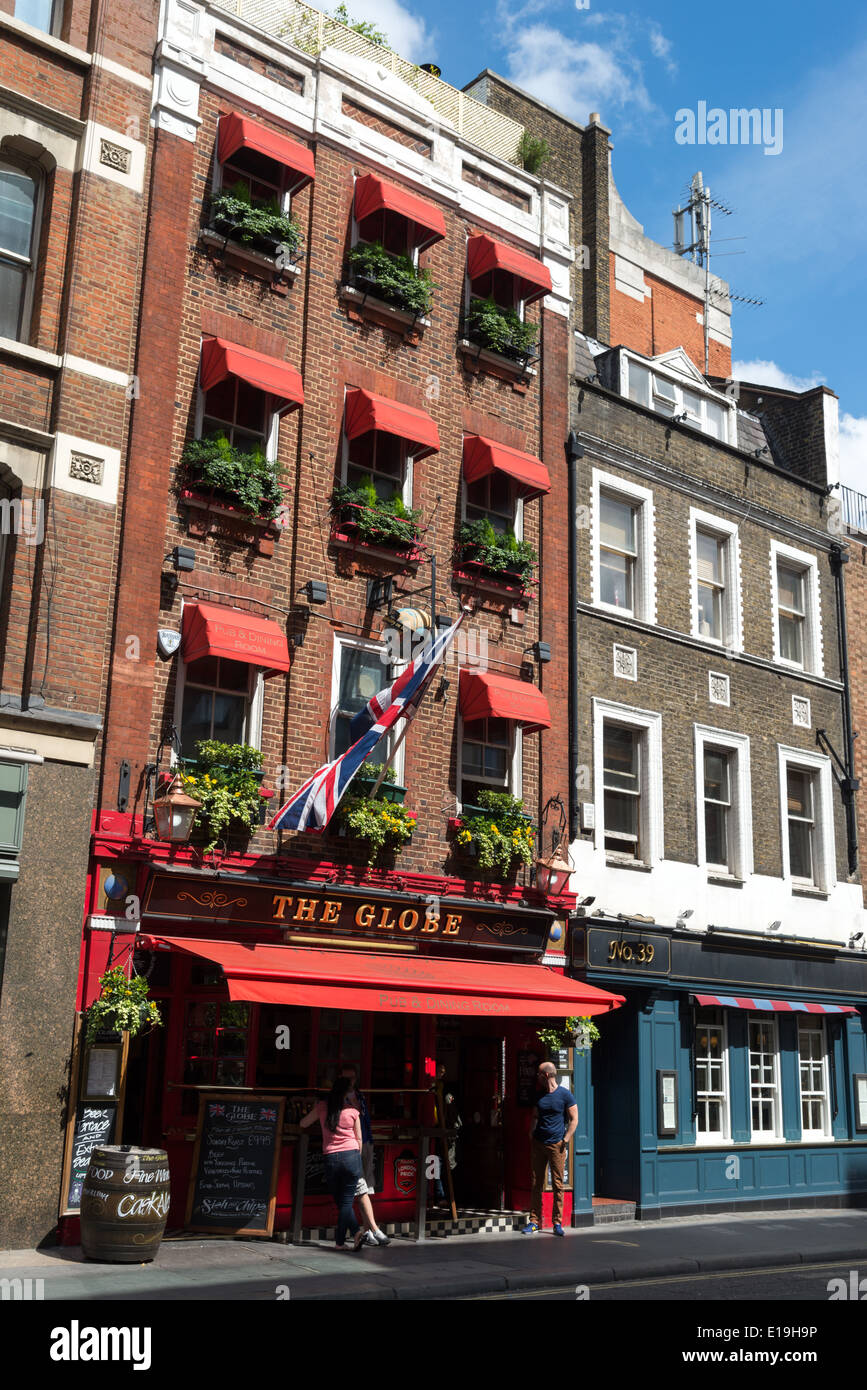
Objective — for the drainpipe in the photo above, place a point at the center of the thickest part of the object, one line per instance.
(849, 783)
(574, 452)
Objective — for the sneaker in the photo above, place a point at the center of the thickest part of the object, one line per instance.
(369, 1239)
(558, 1229)
(380, 1238)
(530, 1229)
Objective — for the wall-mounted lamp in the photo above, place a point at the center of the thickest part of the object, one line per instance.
(380, 591)
(174, 813)
(317, 591)
(184, 558)
(542, 652)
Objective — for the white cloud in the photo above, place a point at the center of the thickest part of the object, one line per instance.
(765, 373)
(853, 452)
(407, 34)
(573, 76)
(661, 47)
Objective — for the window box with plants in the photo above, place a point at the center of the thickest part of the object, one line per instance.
(389, 789)
(230, 488)
(253, 233)
(494, 560)
(388, 527)
(382, 827)
(499, 340)
(496, 835)
(226, 778)
(580, 1033)
(387, 289)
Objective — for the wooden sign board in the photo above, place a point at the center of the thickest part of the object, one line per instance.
(233, 1182)
(95, 1113)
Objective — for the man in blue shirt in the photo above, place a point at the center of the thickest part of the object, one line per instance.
(555, 1119)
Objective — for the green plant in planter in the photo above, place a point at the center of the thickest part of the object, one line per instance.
(555, 1036)
(397, 279)
(501, 835)
(501, 330)
(226, 783)
(379, 521)
(122, 1006)
(498, 552)
(247, 477)
(234, 213)
(380, 824)
(533, 152)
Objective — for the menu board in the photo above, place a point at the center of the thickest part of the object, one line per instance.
(233, 1183)
(94, 1124)
(527, 1090)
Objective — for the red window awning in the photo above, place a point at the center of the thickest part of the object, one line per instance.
(484, 254)
(777, 1006)
(212, 630)
(484, 456)
(487, 695)
(364, 412)
(373, 194)
(239, 132)
(221, 359)
(263, 974)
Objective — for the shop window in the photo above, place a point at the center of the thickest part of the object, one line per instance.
(392, 1066)
(627, 753)
(341, 1043)
(215, 1047)
(797, 632)
(806, 795)
(219, 699)
(765, 1107)
(381, 459)
(360, 671)
(488, 754)
(711, 1077)
(624, 576)
(813, 1073)
(283, 1055)
(19, 196)
(46, 15)
(723, 790)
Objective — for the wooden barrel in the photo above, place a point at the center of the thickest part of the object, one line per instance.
(124, 1203)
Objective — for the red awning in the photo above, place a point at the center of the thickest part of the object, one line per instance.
(239, 132)
(483, 456)
(777, 1006)
(364, 412)
(484, 254)
(391, 984)
(373, 195)
(212, 630)
(221, 359)
(486, 695)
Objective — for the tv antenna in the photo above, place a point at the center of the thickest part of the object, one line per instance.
(692, 226)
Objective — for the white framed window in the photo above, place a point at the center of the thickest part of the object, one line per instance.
(216, 698)
(360, 670)
(264, 179)
(495, 498)
(813, 1076)
(795, 608)
(20, 204)
(499, 285)
(764, 1063)
(723, 797)
(489, 758)
(715, 575)
(670, 385)
(627, 755)
(807, 819)
(624, 546)
(711, 1077)
(390, 229)
(46, 15)
(383, 459)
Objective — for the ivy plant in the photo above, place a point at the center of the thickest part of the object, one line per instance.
(379, 824)
(500, 330)
(499, 835)
(225, 780)
(246, 477)
(499, 552)
(380, 521)
(122, 1006)
(397, 279)
(253, 221)
(560, 1034)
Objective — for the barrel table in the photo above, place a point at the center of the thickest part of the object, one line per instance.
(124, 1203)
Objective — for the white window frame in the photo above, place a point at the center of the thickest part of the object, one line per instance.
(644, 588)
(219, 183)
(728, 533)
(518, 497)
(679, 383)
(824, 841)
(515, 785)
(57, 8)
(813, 645)
(37, 173)
(272, 417)
(354, 237)
(740, 827)
(724, 1136)
(651, 812)
(408, 459)
(764, 1136)
(815, 1023)
(341, 643)
(255, 700)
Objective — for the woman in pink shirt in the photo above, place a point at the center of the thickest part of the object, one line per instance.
(341, 1150)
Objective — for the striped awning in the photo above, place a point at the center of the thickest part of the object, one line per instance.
(777, 1006)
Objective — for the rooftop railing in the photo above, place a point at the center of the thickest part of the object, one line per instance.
(309, 29)
(854, 509)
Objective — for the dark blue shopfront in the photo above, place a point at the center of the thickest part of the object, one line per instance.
(735, 1075)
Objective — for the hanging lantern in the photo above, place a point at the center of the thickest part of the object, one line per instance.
(174, 812)
(553, 873)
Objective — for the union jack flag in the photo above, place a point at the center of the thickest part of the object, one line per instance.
(267, 1114)
(313, 805)
(216, 1109)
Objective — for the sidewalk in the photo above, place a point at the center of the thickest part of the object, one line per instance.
(190, 1268)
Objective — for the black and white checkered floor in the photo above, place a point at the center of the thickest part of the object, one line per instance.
(470, 1222)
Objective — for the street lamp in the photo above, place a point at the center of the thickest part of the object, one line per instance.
(174, 812)
(553, 873)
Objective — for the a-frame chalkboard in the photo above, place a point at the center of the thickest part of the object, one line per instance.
(233, 1182)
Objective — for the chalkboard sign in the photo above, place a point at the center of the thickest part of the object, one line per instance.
(527, 1090)
(94, 1124)
(314, 1172)
(233, 1184)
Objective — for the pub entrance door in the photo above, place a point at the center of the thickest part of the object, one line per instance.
(480, 1084)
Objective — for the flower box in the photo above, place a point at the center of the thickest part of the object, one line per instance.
(516, 370)
(502, 583)
(363, 305)
(259, 259)
(388, 791)
(210, 510)
(346, 534)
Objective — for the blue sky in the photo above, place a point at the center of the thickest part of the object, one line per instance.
(802, 212)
